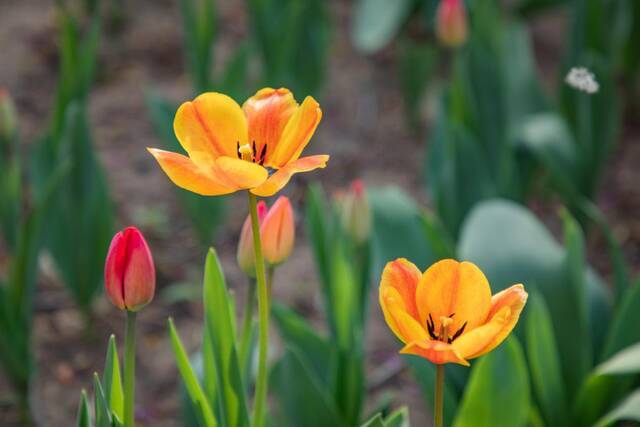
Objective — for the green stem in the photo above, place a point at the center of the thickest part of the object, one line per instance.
(439, 401)
(270, 271)
(260, 395)
(129, 369)
(247, 323)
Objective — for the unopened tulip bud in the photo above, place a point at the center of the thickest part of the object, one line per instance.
(451, 22)
(129, 273)
(246, 257)
(7, 116)
(278, 232)
(356, 215)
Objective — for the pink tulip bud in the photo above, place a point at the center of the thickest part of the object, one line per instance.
(355, 212)
(277, 232)
(451, 22)
(129, 273)
(245, 255)
(8, 122)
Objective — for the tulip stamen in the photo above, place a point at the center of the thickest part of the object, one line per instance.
(443, 335)
(263, 154)
(458, 333)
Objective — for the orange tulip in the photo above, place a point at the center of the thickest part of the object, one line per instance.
(355, 212)
(447, 313)
(277, 232)
(256, 147)
(451, 22)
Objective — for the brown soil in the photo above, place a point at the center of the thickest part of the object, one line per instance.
(363, 119)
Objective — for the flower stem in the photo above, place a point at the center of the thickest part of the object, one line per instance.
(129, 368)
(260, 395)
(439, 401)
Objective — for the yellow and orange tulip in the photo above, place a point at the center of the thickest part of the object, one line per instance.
(447, 314)
(255, 147)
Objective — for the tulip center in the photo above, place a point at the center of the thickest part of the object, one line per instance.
(445, 324)
(249, 153)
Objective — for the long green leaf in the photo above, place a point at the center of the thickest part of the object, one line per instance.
(544, 362)
(83, 419)
(628, 410)
(112, 380)
(198, 398)
(233, 407)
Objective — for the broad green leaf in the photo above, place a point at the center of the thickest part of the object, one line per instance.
(221, 333)
(626, 361)
(83, 419)
(205, 213)
(397, 230)
(198, 398)
(544, 362)
(628, 410)
(303, 399)
(498, 391)
(511, 246)
(112, 380)
(376, 22)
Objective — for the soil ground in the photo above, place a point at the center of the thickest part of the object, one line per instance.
(363, 119)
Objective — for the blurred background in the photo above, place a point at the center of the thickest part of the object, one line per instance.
(432, 130)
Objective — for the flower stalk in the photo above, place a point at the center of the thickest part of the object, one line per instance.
(263, 317)
(129, 369)
(438, 419)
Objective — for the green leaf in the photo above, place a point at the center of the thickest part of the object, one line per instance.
(397, 229)
(626, 361)
(83, 419)
(316, 350)
(628, 410)
(376, 421)
(376, 22)
(398, 418)
(219, 325)
(511, 246)
(198, 398)
(544, 363)
(303, 398)
(205, 213)
(498, 390)
(417, 65)
(101, 407)
(622, 334)
(112, 380)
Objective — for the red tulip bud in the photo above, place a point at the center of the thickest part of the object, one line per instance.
(451, 22)
(129, 273)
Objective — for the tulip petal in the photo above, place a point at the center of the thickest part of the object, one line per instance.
(212, 123)
(140, 274)
(240, 173)
(281, 177)
(296, 134)
(506, 307)
(278, 232)
(114, 271)
(454, 289)
(188, 175)
(268, 112)
(435, 351)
